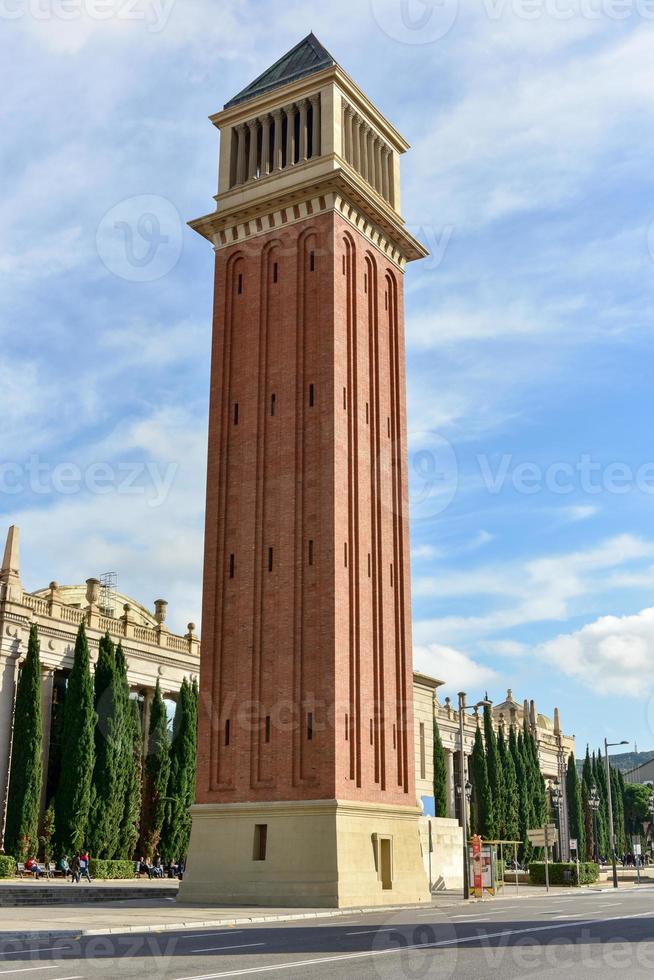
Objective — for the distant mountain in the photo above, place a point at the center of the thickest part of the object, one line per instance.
(624, 761)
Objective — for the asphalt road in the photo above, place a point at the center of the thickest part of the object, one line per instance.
(581, 935)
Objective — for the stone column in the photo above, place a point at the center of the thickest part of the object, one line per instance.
(370, 153)
(451, 789)
(348, 148)
(304, 142)
(377, 150)
(47, 689)
(391, 178)
(365, 159)
(265, 145)
(290, 135)
(277, 147)
(241, 162)
(253, 126)
(315, 129)
(385, 153)
(8, 678)
(356, 143)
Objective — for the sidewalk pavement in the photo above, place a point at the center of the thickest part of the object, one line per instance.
(165, 915)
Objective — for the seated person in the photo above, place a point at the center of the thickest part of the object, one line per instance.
(32, 866)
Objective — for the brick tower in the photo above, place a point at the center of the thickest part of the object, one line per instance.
(306, 790)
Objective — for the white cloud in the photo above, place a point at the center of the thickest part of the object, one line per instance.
(534, 591)
(612, 656)
(457, 670)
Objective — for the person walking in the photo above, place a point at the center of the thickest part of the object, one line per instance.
(85, 865)
(75, 869)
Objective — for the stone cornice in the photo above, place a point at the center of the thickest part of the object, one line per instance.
(338, 191)
(313, 807)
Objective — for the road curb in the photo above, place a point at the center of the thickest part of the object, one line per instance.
(197, 925)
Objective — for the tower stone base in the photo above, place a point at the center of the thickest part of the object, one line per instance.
(318, 854)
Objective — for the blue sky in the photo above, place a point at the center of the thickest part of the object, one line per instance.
(529, 337)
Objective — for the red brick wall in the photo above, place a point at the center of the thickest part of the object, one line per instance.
(313, 637)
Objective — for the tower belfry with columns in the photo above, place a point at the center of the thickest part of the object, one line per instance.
(306, 786)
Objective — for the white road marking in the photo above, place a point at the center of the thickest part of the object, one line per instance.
(28, 952)
(217, 949)
(29, 969)
(404, 949)
(367, 932)
(212, 935)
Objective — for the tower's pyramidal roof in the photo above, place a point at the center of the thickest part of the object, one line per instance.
(306, 58)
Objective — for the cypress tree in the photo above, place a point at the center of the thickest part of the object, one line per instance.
(483, 801)
(527, 815)
(26, 774)
(511, 796)
(539, 797)
(603, 812)
(440, 774)
(181, 783)
(618, 812)
(621, 791)
(589, 828)
(132, 785)
(157, 771)
(495, 776)
(575, 807)
(73, 798)
(587, 783)
(108, 776)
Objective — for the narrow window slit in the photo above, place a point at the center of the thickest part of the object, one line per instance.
(345, 553)
(267, 728)
(232, 566)
(311, 552)
(240, 283)
(391, 576)
(236, 413)
(228, 731)
(310, 726)
(312, 262)
(270, 559)
(312, 396)
(369, 565)
(275, 272)
(273, 404)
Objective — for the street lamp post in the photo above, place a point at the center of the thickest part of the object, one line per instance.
(608, 745)
(593, 802)
(465, 788)
(557, 799)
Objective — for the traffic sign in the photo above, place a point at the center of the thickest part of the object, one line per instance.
(573, 844)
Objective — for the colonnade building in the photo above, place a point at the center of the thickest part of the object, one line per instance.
(152, 652)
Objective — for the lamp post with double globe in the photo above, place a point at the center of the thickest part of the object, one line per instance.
(464, 788)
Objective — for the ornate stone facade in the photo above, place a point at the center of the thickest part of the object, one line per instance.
(151, 650)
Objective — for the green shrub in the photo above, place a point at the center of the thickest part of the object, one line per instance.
(111, 870)
(7, 866)
(563, 873)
